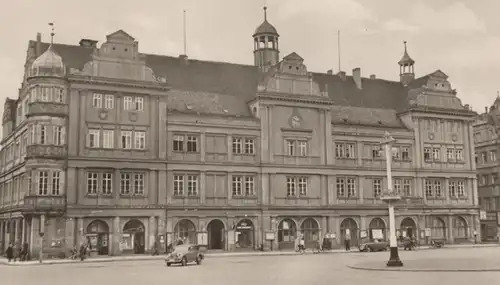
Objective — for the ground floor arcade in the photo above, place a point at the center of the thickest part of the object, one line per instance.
(121, 232)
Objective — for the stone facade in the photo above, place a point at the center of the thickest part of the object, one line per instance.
(486, 130)
(125, 150)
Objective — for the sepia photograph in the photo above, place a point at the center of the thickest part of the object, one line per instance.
(241, 142)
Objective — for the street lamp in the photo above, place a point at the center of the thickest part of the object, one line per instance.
(390, 197)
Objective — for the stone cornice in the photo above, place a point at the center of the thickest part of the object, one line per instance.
(92, 80)
(285, 97)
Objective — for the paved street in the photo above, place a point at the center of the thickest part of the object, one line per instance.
(290, 270)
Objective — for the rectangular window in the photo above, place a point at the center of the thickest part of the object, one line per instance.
(237, 145)
(340, 187)
(139, 184)
(109, 101)
(350, 150)
(178, 143)
(178, 185)
(56, 180)
(351, 187)
(405, 153)
(397, 186)
(302, 186)
(493, 156)
(59, 96)
(126, 139)
(192, 185)
(92, 180)
(107, 183)
(377, 187)
(396, 155)
(249, 185)
(108, 137)
(459, 154)
(237, 185)
(302, 145)
(429, 192)
(43, 183)
(460, 188)
(376, 152)
(139, 103)
(140, 140)
(436, 154)
(43, 134)
(452, 188)
(406, 187)
(427, 154)
(249, 146)
(450, 154)
(93, 138)
(339, 150)
(192, 144)
(345, 150)
(437, 188)
(290, 147)
(127, 103)
(484, 157)
(97, 100)
(125, 183)
(58, 132)
(291, 186)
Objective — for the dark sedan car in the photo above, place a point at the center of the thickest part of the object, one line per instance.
(375, 245)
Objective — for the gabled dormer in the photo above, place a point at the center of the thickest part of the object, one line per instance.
(290, 77)
(120, 45)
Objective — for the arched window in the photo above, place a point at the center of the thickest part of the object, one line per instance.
(186, 231)
(287, 231)
(460, 228)
(377, 229)
(310, 229)
(438, 228)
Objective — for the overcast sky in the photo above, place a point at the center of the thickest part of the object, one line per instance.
(459, 37)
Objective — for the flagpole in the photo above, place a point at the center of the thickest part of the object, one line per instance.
(338, 48)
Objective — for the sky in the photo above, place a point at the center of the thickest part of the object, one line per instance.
(458, 37)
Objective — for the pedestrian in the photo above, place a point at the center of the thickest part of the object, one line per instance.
(10, 252)
(83, 250)
(302, 245)
(347, 242)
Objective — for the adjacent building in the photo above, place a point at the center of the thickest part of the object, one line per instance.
(487, 143)
(125, 150)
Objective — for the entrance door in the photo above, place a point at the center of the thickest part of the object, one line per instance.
(215, 235)
(139, 243)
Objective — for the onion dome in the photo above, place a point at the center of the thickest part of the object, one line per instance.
(48, 64)
(406, 59)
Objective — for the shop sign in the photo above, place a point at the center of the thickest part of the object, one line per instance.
(270, 236)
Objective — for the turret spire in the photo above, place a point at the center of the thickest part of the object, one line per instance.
(265, 13)
(52, 34)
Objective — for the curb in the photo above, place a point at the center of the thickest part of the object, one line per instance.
(222, 255)
(392, 269)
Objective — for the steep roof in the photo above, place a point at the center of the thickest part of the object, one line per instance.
(220, 88)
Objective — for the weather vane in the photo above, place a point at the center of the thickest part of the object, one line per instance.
(52, 34)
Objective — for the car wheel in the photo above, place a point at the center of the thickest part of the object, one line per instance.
(368, 249)
(168, 264)
(198, 260)
(387, 248)
(184, 261)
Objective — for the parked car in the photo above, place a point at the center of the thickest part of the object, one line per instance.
(184, 254)
(375, 245)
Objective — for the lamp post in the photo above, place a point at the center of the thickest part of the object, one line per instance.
(390, 197)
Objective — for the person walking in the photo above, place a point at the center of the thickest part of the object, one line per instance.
(347, 242)
(83, 249)
(10, 252)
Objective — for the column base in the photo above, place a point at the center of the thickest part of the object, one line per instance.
(394, 260)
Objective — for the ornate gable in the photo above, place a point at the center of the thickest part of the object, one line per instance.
(120, 36)
(290, 76)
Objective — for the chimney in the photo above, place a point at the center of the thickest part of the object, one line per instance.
(486, 109)
(356, 76)
(373, 76)
(88, 43)
(38, 44)
(341, 74)
(184, 59)
(329, 72)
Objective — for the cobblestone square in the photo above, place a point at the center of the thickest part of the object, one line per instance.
(290, 270)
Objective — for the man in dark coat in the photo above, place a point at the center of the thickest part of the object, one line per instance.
(10, 252)
(83, 250)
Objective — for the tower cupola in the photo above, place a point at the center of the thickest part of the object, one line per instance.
(266, 48)
(406, 68)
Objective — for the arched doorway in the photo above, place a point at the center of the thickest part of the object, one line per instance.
(216, 237)
(438, 228)
(245, 233)
(377, 229)
(460, 229)
(310, 229)
(185, 231)
(134, 238)
(349, 227)
(97, 236)
(287, 233)
(408, 228)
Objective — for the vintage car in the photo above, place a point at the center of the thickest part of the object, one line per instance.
(375, 245)
(184, 254)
